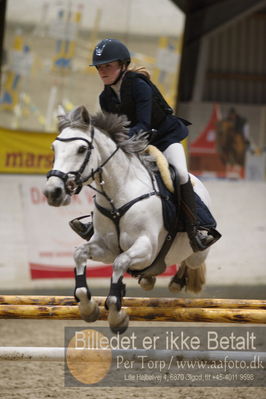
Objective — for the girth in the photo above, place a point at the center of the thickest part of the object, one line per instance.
(158, 266)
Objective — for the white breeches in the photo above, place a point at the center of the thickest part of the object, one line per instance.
(175, 155)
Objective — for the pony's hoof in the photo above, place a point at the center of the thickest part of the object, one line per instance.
(174, 287)
(90, 312)
(147, 283)
(119, 324)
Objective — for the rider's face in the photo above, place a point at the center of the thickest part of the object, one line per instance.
(109, 72)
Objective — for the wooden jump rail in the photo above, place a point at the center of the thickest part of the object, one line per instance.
(139, 309)
(58, 354)
(138, 302)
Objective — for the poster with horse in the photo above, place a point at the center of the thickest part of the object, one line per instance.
(229, 146)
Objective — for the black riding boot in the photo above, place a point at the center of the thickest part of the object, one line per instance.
(198, 240)
(84, 230)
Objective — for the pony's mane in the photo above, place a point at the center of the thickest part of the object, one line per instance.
(116, 126)
(112, 125)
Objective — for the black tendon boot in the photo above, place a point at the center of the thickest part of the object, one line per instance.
(198, 240)
(84, 230)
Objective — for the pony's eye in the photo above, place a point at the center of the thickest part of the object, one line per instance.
(82, 149)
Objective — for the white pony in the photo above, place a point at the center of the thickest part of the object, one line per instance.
(128, 223)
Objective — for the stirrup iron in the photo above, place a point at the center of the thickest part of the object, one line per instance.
(84, 230)
(200, 242)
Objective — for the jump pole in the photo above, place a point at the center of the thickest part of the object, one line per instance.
(18, 353)
(138, 302)
(140, 313)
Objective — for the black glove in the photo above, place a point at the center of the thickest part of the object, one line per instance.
(150, 134)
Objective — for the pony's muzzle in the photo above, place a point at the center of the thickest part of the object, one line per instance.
(56, 195)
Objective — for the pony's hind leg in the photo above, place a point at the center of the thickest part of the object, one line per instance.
(88, 308)
(179, 280)
(147, 282)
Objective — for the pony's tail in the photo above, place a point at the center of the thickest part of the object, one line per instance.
(196, 278)
(188, 278)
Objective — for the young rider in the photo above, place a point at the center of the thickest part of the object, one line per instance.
(132, 93)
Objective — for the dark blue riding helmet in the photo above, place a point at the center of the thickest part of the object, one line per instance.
(109, 50)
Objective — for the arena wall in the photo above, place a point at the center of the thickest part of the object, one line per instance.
(237, 259)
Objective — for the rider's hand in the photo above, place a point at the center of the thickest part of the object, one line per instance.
(150, 134)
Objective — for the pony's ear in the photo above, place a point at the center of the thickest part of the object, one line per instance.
(60, 111)
(84, 115)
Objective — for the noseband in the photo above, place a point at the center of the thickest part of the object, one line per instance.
(73, 180)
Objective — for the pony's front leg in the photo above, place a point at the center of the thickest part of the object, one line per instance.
(139, 253)
(89, 310)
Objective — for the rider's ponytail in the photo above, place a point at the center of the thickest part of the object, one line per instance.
(141, 70)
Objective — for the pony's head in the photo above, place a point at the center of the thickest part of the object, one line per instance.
(72, 152)
(77, 148)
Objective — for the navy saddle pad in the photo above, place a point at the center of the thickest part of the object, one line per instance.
(171, 209)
